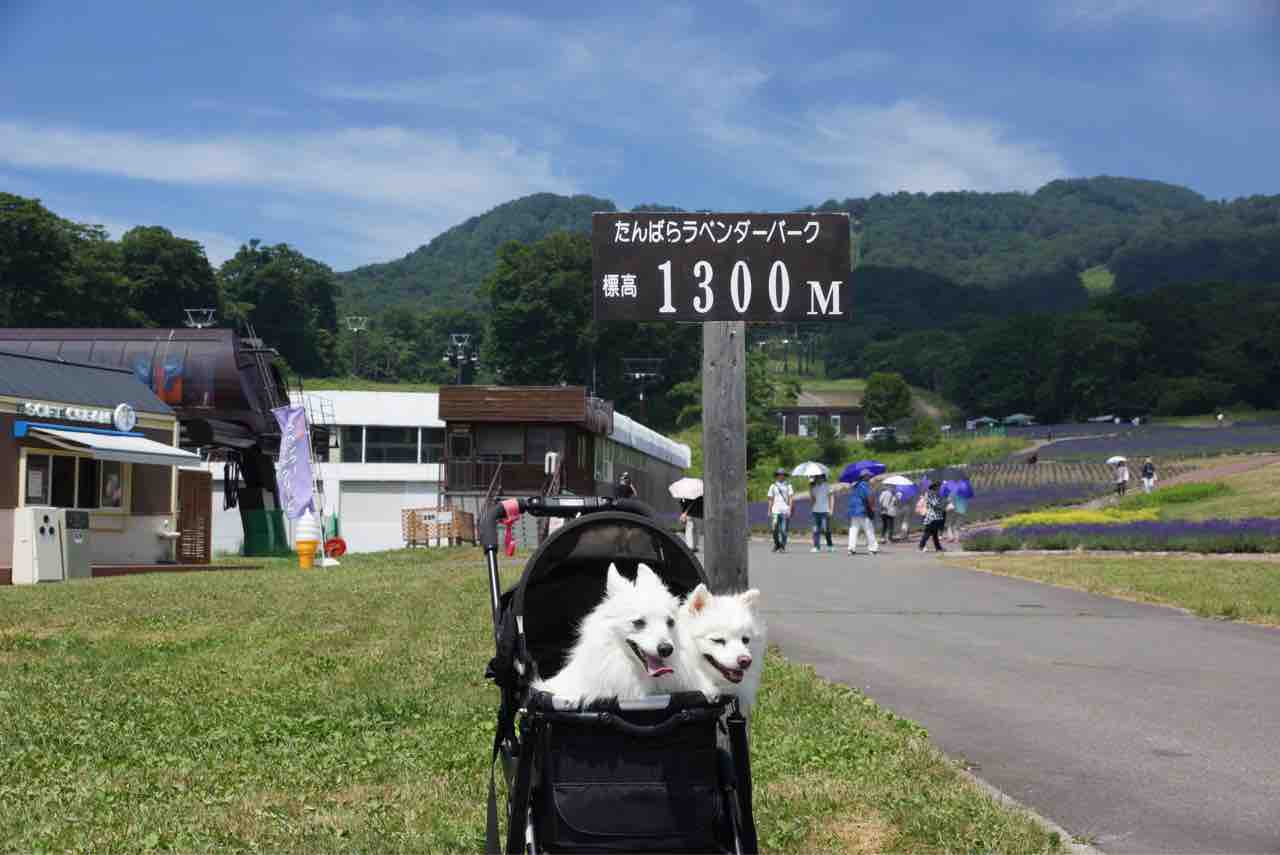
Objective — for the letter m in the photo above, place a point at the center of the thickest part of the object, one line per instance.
(824, 303)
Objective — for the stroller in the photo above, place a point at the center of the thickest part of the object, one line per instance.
(668, 773)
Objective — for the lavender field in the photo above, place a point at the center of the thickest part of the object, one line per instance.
(1165, 442)
(1216, 536)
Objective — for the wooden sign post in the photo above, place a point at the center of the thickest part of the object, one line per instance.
(722, 270)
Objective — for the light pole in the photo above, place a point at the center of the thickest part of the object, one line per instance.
(460, 353)
(356, 324)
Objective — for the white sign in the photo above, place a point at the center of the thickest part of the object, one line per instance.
(124, 418)
(437, 517)
(39, 410)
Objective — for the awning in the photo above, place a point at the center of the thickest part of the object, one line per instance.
(120, 447)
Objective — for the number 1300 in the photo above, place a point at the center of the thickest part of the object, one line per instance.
(821, 302)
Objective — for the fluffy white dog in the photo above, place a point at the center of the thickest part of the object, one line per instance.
(625, 645)
(721, 645)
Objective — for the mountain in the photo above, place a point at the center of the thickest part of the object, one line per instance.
(447, 270)
(1030, 248)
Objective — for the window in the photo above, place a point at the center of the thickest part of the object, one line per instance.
(69, 481)
(808, 425)
(432, 445)
(352, 444)
(835, 425)
(390, 445)
(460, 445)
(38, 472)
(112, 480)
(540, 440)
(504, 443)
(62, 485)
(87, 483)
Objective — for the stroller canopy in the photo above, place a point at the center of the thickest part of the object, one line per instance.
(565, 579)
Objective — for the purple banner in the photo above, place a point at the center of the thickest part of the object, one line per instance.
(293, 471)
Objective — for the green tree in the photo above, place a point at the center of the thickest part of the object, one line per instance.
(36, 255)
(169, 275)
(925, 432)
(887, 398)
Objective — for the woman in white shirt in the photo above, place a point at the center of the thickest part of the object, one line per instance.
(820, 497)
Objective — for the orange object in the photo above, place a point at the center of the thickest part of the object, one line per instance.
(306, 553)
(335, 547)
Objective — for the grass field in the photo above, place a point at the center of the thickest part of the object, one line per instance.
(1248, 495)
(1220, 588)
(345, 710)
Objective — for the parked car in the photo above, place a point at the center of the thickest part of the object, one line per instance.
(1019, 420)
(881, 434)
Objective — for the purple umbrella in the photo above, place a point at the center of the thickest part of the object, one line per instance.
(907, 492)
(963, 488)
(854, 471)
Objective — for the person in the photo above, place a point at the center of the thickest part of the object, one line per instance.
(691, 516)
(862, 515)
(1122, 478)
(904, 516)
(625, 489)
(782, 498)
(888, 501)
(935, 516)
(820, 502)
(1148, 475)
(956, 509)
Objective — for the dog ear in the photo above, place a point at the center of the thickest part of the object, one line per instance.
(749, 598)
(698, 600)
(646, 576)
(615, 582)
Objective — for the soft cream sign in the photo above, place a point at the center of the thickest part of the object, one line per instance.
(38, 410)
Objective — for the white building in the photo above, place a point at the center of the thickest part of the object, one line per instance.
(386, 454)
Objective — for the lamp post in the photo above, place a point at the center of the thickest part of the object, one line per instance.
(356, 324)
(460, 353)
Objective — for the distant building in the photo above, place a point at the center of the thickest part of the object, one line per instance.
(842, 411)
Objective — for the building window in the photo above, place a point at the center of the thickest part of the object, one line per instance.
(432, 445)
(112, 480)
(39, 470)
(540, 440)
(835, 425)
(68, 481)
(500, 443)
(390, 445)
(808, 425)
(352, 445)
(87, 483)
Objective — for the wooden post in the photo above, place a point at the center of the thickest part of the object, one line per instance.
(724, 454)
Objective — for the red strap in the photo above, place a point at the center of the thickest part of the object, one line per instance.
(510, 507)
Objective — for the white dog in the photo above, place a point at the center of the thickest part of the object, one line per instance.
(625, 645)
(721, 645)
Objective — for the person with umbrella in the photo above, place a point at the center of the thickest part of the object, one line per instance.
(689, 492)
(820, 502)
(888, 501)
(935, 515)
(782, 498)
(958, 494)
(862, 513)
(1122, 475)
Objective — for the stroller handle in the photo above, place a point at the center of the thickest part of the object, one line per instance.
(553, 506)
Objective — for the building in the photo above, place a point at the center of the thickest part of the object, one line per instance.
(842, 411)
(96, 439)
(498, 438)
(386, 453)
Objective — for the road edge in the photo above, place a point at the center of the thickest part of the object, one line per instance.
(1069, 842)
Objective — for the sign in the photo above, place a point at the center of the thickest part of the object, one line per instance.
(656, 266)
(39, 410)
(124, 418)
(293, 471)
(437, 517)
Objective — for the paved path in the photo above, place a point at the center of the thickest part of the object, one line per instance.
(1139, 728)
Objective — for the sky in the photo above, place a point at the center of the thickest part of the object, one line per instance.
(356, 133)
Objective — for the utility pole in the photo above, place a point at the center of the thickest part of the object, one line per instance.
(356, 324)
(724, 448)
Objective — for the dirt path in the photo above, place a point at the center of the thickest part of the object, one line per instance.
(1222, 470)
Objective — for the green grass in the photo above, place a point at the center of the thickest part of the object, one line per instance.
(1178, 494)
(360, 384)
(1098, 280)
(1222, 588)
(1209, 420)
(345, 710)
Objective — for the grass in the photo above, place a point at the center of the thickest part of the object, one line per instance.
(1219, 588)
(1248, 495)
(346, 710)
(1077, 516)
(1098, 280)
(361, 384)
(1178, 494)
(1230, 416)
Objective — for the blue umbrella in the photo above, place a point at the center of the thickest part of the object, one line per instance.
(854, 471)
(962, 488)
(907, 492)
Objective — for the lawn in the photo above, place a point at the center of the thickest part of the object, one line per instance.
(1251, 494)
(346, 710)
(1237, 589)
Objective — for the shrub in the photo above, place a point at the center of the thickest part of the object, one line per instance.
(925, 432)
(1080, 516)
(1177, 495)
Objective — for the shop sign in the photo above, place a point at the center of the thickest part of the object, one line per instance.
(40, 410)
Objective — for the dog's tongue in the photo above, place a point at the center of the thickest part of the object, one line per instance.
(656, 666)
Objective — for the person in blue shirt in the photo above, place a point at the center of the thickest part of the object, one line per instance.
(862, 514)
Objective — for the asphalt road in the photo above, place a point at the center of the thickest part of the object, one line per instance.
(1137, 728)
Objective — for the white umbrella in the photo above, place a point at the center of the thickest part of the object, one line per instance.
(898, 481)
(1114, 461)
(810, 469)
(686, 488)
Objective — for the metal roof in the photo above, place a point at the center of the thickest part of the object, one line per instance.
(42, 379)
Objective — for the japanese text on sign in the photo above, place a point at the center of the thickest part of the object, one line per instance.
(706, 267)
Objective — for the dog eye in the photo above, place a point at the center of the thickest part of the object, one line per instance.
(638, 623)
(671, 622)
(717, 641)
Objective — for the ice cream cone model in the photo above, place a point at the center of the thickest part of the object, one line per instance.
(306, 539)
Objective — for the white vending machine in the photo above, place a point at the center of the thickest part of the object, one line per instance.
(50, 545)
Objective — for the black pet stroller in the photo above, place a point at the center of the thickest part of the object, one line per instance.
(669, 773)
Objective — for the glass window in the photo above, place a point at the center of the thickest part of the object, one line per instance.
(391, 445)
(352, 444)
(38, 473)
(88, 484)
(808, 425)
(432, 445)
(112, 495)
(63, 483)
(505, 443)
(835, 425)
(460, 446)
(540, 440)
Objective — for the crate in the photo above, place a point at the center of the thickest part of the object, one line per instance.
(437, 526)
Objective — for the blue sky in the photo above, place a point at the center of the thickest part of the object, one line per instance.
(357, 133)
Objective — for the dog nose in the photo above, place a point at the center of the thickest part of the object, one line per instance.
(665, 649)
(744, 662)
